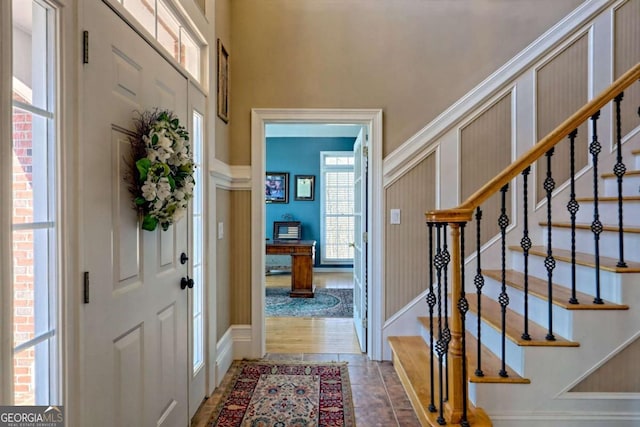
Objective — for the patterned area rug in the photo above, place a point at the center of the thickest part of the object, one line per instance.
(267, 393)
(327, 302)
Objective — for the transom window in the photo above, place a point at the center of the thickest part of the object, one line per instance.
(166, 26)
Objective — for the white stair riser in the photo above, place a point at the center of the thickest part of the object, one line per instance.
(637, 161)
(538, 308)
(630, 186)
(585, 276)
(608, 213)
(585, 242)
(492, 339)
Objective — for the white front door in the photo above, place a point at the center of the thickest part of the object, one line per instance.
(360, 151)
(133, 342)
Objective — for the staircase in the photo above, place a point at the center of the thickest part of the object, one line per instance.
(515, 341)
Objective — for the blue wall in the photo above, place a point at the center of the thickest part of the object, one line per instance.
(300, 156)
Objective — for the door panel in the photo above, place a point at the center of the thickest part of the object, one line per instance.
(134, 328)
(359, 246)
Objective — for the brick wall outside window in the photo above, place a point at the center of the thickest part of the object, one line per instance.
(23, 252)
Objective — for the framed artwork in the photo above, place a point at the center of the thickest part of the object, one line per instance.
(305, 187)
(276, 187)
(223, 83)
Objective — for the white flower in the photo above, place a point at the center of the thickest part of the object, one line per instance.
(164, 189)
(179, 213)
(179, 195)
(149, 190)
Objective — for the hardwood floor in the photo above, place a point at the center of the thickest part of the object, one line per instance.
(311, 335)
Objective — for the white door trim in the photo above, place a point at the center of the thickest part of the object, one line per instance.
(372, 118)
(6, 261)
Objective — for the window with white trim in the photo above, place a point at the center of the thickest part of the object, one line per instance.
(197, 250)
(34, 212)
(337, 207)
(171, 31)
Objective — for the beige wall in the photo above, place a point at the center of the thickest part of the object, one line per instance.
(562, 87)
(485, 150)
(412, 58)
(627, 54)
(223, 290)
(618, 375)
(240, 257)
(407, 251)
(223, 32)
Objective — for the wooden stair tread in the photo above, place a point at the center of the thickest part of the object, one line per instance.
(561, 294)
(606, 263)
(582, 226)
(627, 173)
(492, 315)
(609, 199)
(635, 152)
(411, 358)
(491, 364)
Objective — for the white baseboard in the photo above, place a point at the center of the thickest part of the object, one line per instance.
(235, 344)
(224, 349)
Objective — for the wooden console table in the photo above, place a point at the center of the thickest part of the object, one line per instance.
(302, 255)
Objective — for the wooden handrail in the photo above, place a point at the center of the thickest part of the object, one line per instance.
(464, 212)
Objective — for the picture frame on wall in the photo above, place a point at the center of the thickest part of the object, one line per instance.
(276, 187)
(305, 187)
(223, 82)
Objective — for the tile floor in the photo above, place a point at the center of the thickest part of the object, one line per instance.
(378, 397)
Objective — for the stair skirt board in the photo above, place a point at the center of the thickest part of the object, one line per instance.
(567, 419)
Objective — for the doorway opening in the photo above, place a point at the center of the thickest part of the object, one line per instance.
(310, 206)
(369, 121)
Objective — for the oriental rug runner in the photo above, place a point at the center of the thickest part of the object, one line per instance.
(267, 393)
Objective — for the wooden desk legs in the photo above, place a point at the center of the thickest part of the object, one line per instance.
(301, 276)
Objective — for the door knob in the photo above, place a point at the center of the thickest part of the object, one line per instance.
(186, 282)
(183, 258)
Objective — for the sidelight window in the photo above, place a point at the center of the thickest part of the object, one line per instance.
(34, 205)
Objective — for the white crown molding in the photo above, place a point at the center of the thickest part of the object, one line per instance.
(416, 148)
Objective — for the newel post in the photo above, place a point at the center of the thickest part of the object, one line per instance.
(456, 402)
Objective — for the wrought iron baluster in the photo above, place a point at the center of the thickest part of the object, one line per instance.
(549, 261)
(573, 206)
(446, 332)
(619, 169)
(525, 244)
(431, 301)
(440, 344)
(463, 307)
(596, 225)
(503, 299)
(478, 280)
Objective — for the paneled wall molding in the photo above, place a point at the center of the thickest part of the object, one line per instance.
(230, 177)
(411, 152)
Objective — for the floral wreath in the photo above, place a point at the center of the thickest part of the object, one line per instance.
(161, 169)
